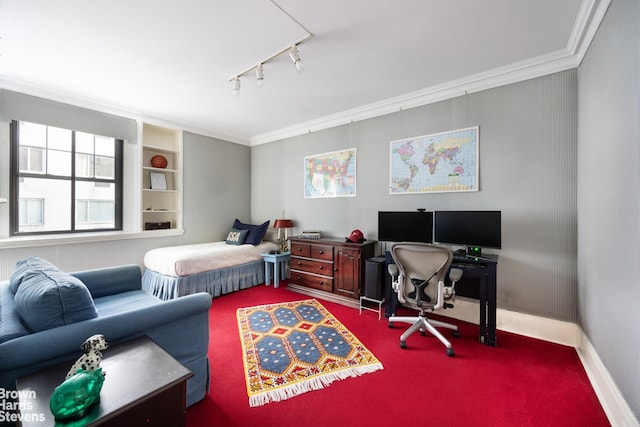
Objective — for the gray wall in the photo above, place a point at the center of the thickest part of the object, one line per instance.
(608, 202)
(216, 187)
(527, 170)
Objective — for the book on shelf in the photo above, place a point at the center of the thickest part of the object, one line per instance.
(310, 235)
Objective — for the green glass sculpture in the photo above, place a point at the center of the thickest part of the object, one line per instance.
(76, 394)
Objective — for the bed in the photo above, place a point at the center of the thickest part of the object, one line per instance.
(216, 268)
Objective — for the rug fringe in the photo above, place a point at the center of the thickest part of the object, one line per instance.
(310, 385)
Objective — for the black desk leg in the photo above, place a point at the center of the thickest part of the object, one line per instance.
(483, 310)
(492, 296)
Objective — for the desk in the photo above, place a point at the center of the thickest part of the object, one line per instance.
(277, 260)
(143, 385)
(483, 271)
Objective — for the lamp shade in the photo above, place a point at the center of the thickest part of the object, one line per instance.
(283, 223)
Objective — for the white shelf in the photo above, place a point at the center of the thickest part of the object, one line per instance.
(166, 204)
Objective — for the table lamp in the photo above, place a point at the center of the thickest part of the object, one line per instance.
(280, 224)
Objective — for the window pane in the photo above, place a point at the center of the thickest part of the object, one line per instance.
(33, 134)
(31, 160)
(84, 166)
(95, 205)
(105, 167)
(31, 212)
(84, 142)
(55, 195)
(59, 163)
(105, 146)
(59, 139)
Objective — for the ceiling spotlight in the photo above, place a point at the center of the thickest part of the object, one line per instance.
(259, 75)
(295, 57)
(236, 86)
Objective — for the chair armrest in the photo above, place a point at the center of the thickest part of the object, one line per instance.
(393, 270)
(455, 274)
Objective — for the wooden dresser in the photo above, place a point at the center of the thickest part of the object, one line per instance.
(329, 265)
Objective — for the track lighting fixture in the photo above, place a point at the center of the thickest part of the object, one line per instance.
(295, 57)
(236, 86)
(291, 48)
(259, 75)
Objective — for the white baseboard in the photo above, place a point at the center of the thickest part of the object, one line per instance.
(560, 332)
(612, 401)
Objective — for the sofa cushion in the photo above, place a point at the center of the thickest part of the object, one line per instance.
(10, 325)
(26, 266)
(48, 298)
(256, 231)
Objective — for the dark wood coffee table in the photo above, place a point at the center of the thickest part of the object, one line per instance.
(143, 385)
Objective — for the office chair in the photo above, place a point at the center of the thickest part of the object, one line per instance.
(418, 277)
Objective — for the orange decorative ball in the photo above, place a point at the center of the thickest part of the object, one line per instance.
(159, 161)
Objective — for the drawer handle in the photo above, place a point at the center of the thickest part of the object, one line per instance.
(299, 249)
(299, 263)
(299, 277)
(320, 252)
(322, 267)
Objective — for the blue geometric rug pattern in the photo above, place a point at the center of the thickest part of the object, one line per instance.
(294, 347)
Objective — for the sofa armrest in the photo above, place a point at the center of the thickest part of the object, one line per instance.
(111, 280)
(51, 344)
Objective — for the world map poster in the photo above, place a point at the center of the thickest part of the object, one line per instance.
(436, 163)
(330, 174)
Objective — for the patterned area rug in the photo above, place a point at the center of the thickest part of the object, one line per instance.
(295, 347)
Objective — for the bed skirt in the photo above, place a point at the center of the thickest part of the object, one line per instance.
(215, 282)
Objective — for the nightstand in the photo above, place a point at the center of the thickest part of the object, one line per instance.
(278, 260)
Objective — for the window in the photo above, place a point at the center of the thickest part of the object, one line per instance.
(64, 180)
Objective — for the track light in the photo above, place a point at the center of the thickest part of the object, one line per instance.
(295, 57)
(236, 86)
(259, 75)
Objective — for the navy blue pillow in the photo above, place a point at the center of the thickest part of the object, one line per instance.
(256, 232)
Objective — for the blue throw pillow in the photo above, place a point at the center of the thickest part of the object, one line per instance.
(236, 237)
(49, 298)
(256, 232)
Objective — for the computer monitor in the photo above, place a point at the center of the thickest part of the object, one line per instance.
(473, 229)
(396, 226)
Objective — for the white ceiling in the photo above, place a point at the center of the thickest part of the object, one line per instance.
(170, 61)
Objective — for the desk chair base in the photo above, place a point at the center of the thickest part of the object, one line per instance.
(423, 324)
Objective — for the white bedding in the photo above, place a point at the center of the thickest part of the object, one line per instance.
(185, 260)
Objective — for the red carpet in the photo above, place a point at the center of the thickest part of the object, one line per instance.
(522, 382)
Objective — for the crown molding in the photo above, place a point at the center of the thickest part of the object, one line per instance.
(587, 22)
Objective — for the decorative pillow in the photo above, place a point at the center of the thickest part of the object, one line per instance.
(25, 266)
(236, 237)
(256, 232)
(49, 298)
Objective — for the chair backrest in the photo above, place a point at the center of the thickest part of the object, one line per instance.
(421, 261)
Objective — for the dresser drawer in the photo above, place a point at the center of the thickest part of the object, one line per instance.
(311, 281)
(322, 252)
(312, 266)
(300, 249)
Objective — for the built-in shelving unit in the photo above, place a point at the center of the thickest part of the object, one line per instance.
(162, 201)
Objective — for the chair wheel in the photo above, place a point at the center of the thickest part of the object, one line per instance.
(450, 352)
(390, 324)
(403, 344)
(456, 334)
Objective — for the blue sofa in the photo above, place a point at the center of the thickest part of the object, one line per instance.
(41, 328)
